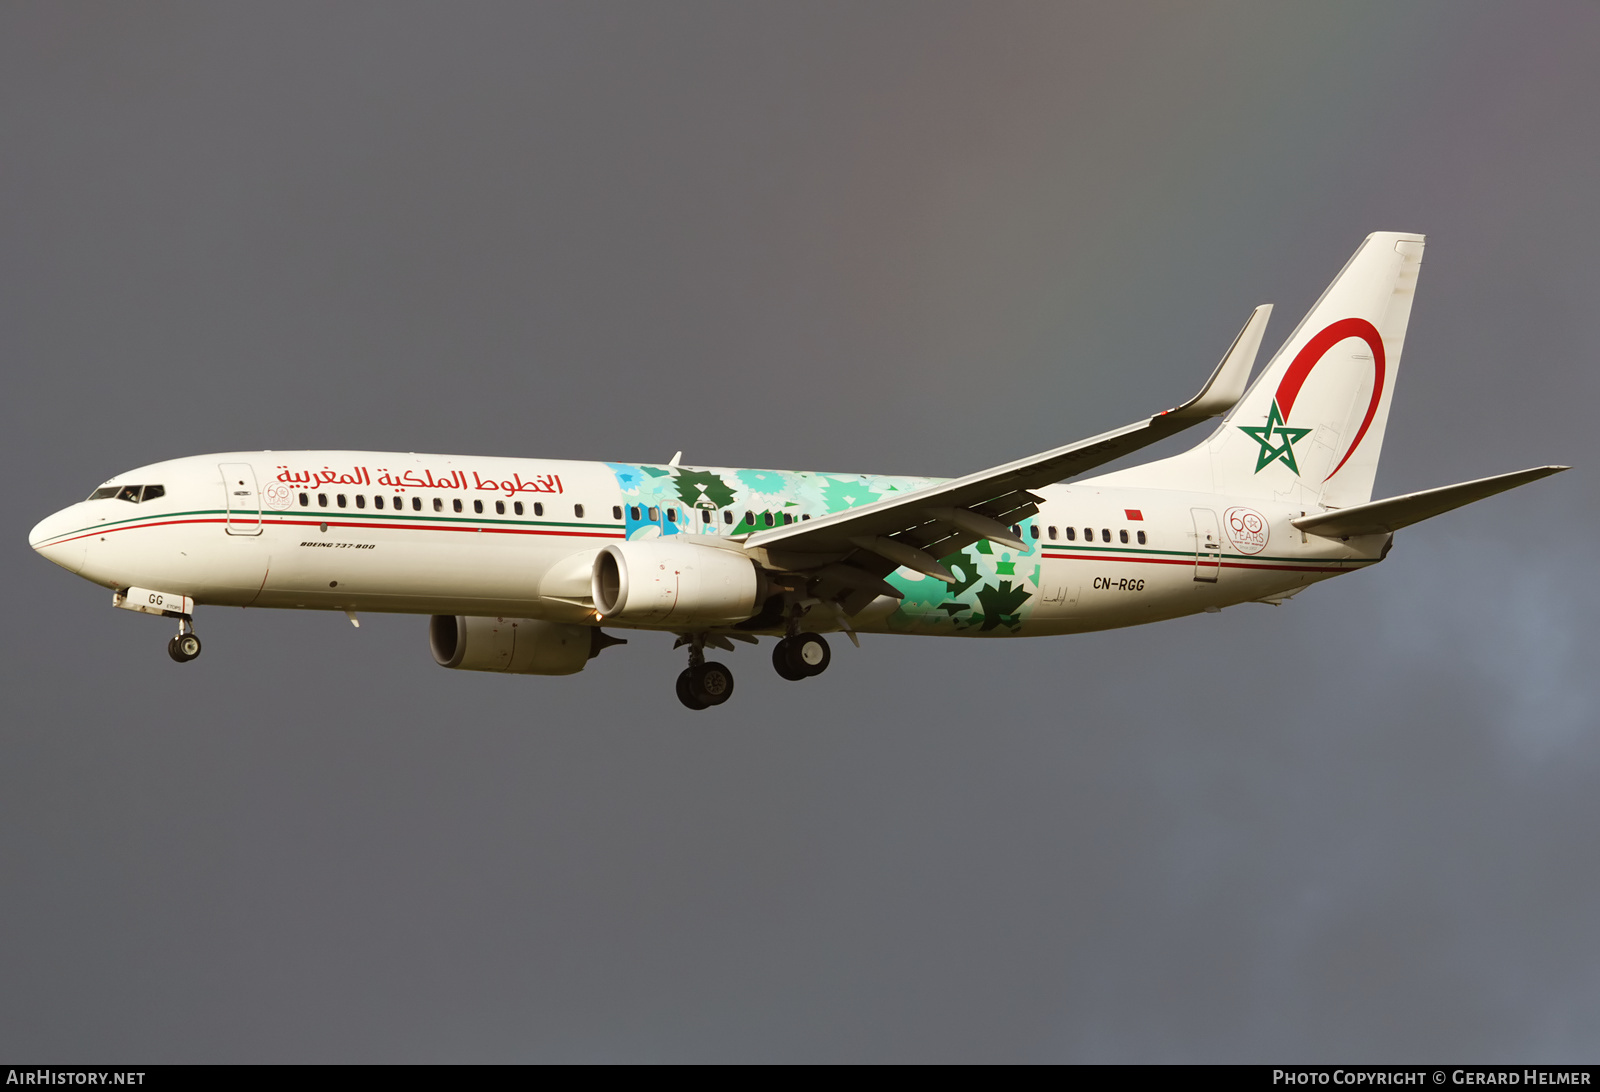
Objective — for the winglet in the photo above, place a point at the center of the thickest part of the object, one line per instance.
(1227, 383)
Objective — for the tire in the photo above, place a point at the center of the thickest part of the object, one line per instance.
(781, 660)
(711, 683)
(189, 645)
(686, 690)
(176, 653)
(810, 654)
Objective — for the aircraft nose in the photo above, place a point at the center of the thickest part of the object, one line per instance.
(52, 537)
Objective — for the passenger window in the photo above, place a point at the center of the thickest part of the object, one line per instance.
(477, 506)
(1124, 536)
(1052, 534)
(1033, 531)
(787, 519)
(377, 502)
(805, 516)
(416, 504)
(456, 504)
(538, 508)
(499, 508)
(616, 511)
(1141, 538)
(672, 515)
(577, 510)
(1105, 534)
(438, 504)
(1016, 530)
(750, 518)
(517, 507)
(727, 517)
(322, 500)
(1072, 534)
(340, 500)
(705, 515)
(305, 501)
(361, 501)
(655, 514)
(633, 511)
(1088, 534)
(151, 492)
(766, 517)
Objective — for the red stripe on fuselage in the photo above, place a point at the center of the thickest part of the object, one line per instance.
(330, 523)
(1305, 568)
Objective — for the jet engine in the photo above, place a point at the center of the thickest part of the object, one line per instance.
(516, 646)
(676, 582)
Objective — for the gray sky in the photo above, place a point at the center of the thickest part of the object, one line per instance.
(905, 238)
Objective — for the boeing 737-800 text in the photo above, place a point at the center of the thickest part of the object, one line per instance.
(519, 562)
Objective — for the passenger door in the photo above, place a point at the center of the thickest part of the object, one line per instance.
(1207, 545)
(242, 498)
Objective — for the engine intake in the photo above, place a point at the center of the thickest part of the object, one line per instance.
(516, 646)
(674, 581)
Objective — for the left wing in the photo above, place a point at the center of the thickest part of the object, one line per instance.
(916, 528)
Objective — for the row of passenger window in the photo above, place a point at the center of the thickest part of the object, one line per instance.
(1071, 534)
(133, 493)
(635, 512)
(399, 504)
(638, 513)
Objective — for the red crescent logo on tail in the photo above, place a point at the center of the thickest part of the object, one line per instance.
(1308, 358)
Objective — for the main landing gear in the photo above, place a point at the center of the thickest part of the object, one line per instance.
(801, 656)
(185, 646)
(702, 685)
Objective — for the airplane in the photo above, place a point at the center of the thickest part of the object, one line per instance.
(519, 562)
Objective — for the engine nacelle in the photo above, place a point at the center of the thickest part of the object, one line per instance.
(670, 580)
(517, 646)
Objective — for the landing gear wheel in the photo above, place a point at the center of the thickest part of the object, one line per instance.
(184, 647)
(712, 683)
(801, 656)
(781, 661)
(686, 690)
(811, 653)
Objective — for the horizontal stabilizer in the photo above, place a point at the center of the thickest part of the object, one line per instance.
(1385, 516)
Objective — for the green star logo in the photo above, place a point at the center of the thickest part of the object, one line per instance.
(1272, 451)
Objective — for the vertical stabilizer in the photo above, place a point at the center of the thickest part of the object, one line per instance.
(1309, 429)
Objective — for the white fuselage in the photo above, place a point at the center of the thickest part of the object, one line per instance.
(477, 536)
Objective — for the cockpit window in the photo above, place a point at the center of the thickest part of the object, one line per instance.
(129, 493)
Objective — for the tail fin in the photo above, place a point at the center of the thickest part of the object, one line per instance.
(1309, 429)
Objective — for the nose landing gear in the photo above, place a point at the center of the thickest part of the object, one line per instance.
(185, 646)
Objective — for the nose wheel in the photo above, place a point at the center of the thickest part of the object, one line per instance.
(185, 646)
(801, 656)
